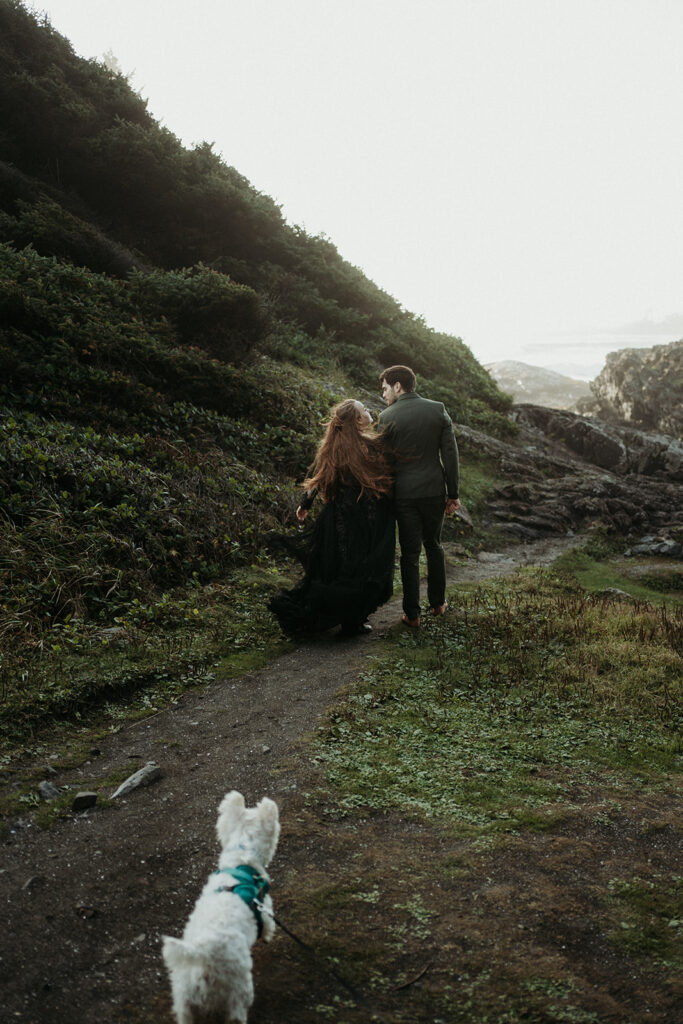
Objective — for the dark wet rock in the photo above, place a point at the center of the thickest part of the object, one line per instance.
(663, 547)
(575, 502)
(530, 457)
(609, 446)
(565, 473)
(82, 801)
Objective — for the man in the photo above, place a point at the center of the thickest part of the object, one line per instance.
(427, 473)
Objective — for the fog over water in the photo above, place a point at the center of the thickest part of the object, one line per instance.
(579, 355)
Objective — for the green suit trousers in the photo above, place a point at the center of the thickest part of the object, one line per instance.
(420, 521)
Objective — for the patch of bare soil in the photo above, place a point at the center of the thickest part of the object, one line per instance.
(515, 933)
(86, 902)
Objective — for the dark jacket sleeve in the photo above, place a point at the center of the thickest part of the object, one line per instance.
(449, 456)
(307, 500)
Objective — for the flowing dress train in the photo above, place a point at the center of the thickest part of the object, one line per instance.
(349, 565)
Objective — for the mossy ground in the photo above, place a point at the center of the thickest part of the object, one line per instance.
(89, 682)
(658, 583)
(485, 828)
(490, 828)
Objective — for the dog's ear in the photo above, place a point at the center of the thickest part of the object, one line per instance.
(269, 819)
(230, 814)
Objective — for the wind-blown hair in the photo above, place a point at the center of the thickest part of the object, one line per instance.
(348, 455)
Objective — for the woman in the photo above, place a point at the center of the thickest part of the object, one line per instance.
(349, 559)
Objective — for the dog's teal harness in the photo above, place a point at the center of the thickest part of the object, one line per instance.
(251, 887)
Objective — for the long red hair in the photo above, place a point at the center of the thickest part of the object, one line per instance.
(349, 454)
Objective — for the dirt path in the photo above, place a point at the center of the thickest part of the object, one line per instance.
(87, 901)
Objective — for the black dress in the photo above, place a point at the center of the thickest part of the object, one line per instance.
(348, 558)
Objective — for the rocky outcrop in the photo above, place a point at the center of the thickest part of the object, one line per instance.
(607, 445)
(567, 472)
(642, 387)
(535, 384)
(662, 546)
(574, 503)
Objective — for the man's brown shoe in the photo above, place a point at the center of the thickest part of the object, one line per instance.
(410, 622)
(441, 609)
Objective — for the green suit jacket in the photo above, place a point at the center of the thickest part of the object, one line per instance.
(420, 432)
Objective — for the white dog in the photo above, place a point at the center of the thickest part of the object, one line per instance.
(210, 967)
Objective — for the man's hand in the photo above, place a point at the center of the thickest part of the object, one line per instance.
(301, 513)
(452, 505)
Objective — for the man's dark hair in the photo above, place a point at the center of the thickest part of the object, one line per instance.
(402, 375)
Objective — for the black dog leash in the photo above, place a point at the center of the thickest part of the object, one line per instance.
(351, 989)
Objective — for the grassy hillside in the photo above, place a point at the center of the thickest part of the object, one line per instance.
(168, 348)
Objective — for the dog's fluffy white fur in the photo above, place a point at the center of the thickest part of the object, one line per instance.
(210, 967)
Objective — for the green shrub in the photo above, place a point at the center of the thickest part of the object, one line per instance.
(209, 310)
(52, 231)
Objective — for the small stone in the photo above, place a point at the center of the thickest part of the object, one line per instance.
(622, 595)
(82, 801)
(47, 790)
(94, 751)
(84, 911)
(32, 881)
(265, 749)
(493, 556)
(143, 777)
(462, 513)
(670, 549)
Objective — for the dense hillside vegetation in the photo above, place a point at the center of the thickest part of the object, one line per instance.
(168, 347)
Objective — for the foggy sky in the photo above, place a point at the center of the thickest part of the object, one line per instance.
(508, 169)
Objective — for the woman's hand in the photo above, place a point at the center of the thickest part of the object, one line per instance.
(301, 513)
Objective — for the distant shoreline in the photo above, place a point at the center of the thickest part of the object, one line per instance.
(581, 356)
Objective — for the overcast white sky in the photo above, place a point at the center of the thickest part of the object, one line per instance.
(511, 170)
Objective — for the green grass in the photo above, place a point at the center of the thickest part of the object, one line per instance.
(596, 574)
(24, 796)
(664, 581)
(92, 677)
(478, 477)
(646, 915)
(492, 717)
(87, 682)
(497, 795)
